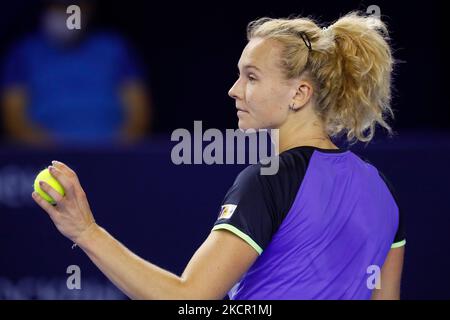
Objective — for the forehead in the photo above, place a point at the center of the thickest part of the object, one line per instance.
(263, 53)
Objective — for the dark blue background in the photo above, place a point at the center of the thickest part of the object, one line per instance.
(163, 212)
(190, 50)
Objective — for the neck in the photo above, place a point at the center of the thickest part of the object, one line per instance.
(306, 133)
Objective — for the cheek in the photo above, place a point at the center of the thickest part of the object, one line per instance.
(281, 96)
(267, 103)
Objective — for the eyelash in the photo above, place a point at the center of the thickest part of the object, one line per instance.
(249, 77)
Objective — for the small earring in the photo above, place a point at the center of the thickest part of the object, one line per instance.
(292, 107)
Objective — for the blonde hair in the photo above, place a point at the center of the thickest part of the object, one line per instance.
(350, 65)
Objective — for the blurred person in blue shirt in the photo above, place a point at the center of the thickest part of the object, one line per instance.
(62, 86)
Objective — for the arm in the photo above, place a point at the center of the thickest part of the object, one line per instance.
(216, 266)
(212, 271)
(138, 112)
(16, 122)
(391, 274)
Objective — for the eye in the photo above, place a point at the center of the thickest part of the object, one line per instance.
(250, 77)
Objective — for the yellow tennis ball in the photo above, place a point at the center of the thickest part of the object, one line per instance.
(45, 176)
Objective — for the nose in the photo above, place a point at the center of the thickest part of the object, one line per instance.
(232, 92)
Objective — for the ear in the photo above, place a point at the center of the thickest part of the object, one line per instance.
(303, 94)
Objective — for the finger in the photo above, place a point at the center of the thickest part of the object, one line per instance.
(63, 180)
(50, 191)
(51, 210)
(64, 168)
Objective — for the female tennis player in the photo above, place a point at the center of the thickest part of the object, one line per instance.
(322, 226)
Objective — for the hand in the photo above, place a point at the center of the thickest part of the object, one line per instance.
(71, 214)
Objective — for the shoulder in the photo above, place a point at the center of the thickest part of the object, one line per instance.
(289, 164)
(257, 203)
(379, 172)
(277, 190)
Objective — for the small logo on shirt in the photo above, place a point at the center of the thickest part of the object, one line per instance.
(227, 211)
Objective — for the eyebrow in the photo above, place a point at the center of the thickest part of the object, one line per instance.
(250, 66)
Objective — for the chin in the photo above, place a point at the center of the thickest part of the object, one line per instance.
(248, 126)
(243, 125)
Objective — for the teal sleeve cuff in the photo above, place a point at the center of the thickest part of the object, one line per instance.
(240, 234)
(398, 244)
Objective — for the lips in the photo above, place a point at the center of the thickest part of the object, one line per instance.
(240, 109)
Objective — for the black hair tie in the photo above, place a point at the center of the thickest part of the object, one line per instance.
(306, 40)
